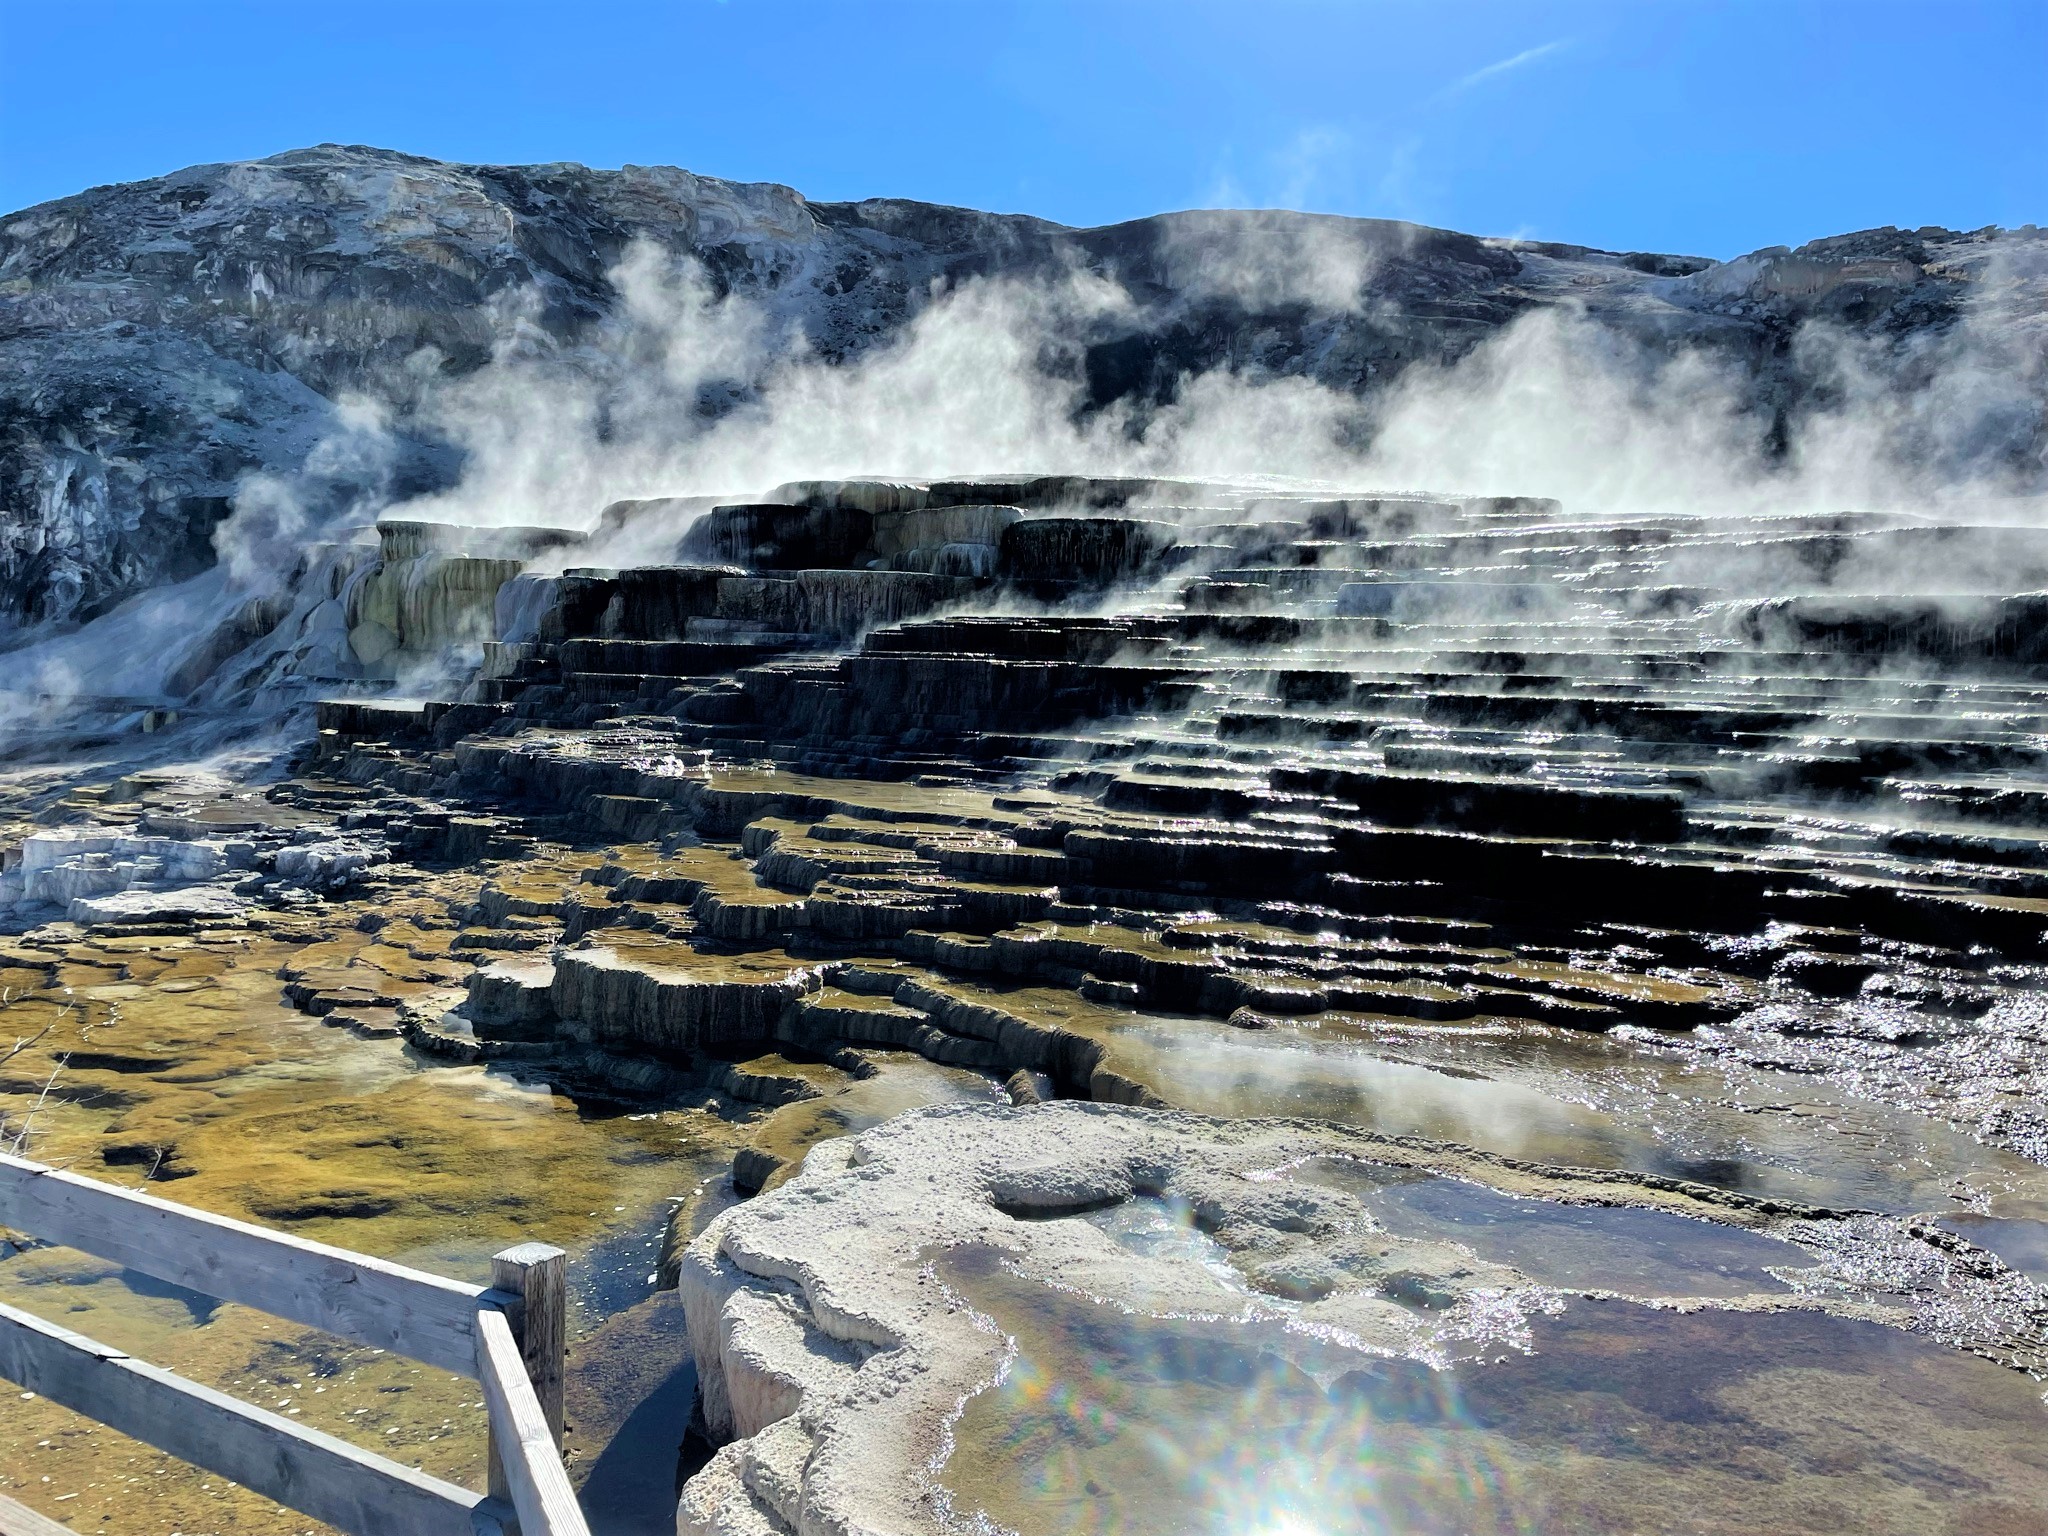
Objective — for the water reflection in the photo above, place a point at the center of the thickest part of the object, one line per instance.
(2023, 1244)
(1721, 1422)
(1611, 1248)
(1559, 1097)
(629, 1398)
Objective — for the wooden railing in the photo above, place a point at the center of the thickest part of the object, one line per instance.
(509, 1338)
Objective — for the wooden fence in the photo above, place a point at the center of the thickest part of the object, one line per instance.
(509, 1338)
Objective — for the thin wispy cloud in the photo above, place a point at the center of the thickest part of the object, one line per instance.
(1501, 67)
(1331, 168)
(1311, 164)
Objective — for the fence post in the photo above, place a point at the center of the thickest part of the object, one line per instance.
(534, 1272)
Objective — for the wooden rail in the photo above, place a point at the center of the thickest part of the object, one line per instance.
(508, 1337)
(20, 1520)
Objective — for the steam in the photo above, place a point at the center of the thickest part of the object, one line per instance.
(1265, 262)
(689, 391)
(1961, 408)
(346, 478)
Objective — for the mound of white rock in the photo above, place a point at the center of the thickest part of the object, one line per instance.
(327, 865)
(102, 876)
(833, 1351)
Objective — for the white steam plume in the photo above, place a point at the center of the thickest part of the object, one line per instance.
(688, 394)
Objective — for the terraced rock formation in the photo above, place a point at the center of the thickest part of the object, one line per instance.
(1271, 758)
(1677, 865)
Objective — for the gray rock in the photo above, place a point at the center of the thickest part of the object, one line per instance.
(138, 905)
(163, 341)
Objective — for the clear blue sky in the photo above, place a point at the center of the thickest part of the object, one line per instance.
(1704, 127)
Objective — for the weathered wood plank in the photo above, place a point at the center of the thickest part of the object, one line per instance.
(539, 1487)
(534, 1278)
(425, 1317)
(539, 1274)
(301, 1468)
(20, 1520)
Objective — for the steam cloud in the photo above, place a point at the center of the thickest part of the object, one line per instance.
(687, 394)
(683, 392)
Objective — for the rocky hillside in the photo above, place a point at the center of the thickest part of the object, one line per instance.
(161, 340)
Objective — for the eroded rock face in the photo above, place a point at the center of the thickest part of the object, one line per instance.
(162, 340)
(1210, 785)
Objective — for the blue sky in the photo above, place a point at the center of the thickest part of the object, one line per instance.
(1704, 127)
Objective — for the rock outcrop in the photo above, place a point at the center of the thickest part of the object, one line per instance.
(1159, 757)
(166, 344)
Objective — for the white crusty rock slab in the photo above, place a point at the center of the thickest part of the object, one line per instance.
(202, 902)
(832, 1357)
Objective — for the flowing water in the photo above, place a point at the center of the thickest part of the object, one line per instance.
(1561, 1096)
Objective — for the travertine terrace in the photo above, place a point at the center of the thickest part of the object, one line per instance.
(1258, 758)
(1687, 864)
